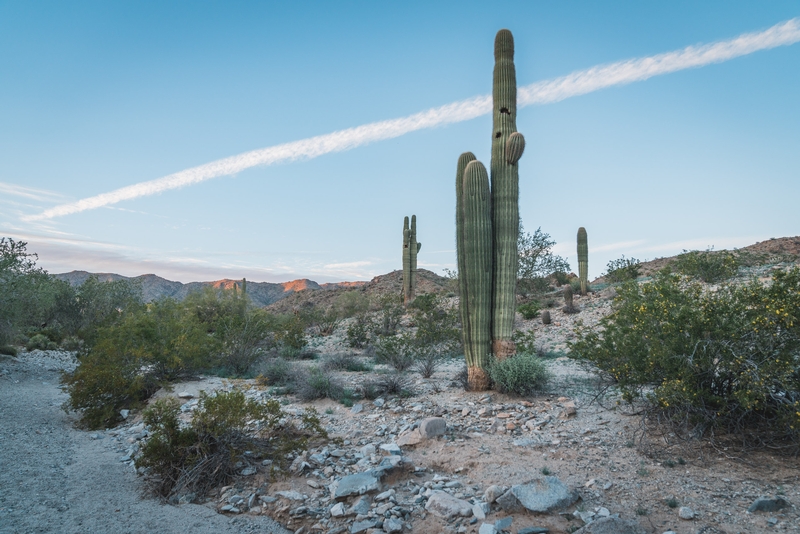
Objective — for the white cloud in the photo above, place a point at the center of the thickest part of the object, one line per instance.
(577, 83)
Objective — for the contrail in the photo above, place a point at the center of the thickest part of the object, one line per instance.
(544, 92)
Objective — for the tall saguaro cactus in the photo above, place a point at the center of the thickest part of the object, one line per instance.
(583, 260)
(410, 249)
(487, 333)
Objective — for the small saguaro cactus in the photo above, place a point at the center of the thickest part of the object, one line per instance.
(569, 306)
(583, 260)
(545, 317)
(487, 266)
(410, 249)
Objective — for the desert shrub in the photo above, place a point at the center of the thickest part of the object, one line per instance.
(72, 343)
(315, 383)
(291, 332)
(358, 332)
(351, 304)
(275, 372)
(244, 338)
(622, 270)
(529, 310)
(522, 374)
(390, 311)
(462, 378)
(397, 352)
(344, 362)
(129, 361)
(427, 363)
(525, 341)
(186, 462)
(708, 266)
(39, 341)
(561, 278)
(8, 350)
(437, 325)
(536, 261)
(721, 362)
(387, 384)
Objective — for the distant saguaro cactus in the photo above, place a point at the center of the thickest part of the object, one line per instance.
(583, 260)
(410, 249)
(488, 266)
(569, 306)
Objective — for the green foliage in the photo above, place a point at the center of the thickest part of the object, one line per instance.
(8, 350)
(714, 362)
(525, 341)
(315, 383)
(275, 372)
(39, 341)
(389, 314)
(537, 262)
(708, 266)
(291, 332)
(344, 362)
(397, 351)
(128, 361)
(437, 325)
(227, 428)
(523, 374)
(622, 270)
(351, 304)
(529, 310)
(358, 331)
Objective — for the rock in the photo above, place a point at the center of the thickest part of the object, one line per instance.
(568, 411)
(493, 492)
(392, 448)
(337, 510)
(357, 484)
(393, 525)
(292, 495)
(185, 395)
(379, 402)
(365, 525)
(410, 439)
(611, 525)
(445, 505)
(248, 471)
(487, 528)
(684, 512)
(385, 495)
(540, 495)
(503, 524)
(764, 504)
(432, 427)
(361, 506)
(480, 509)
(533, 530)
(124, 413)
(357, 408)
(367, 450)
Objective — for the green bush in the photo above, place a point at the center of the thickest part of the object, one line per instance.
(316, 383)
(525, 341)
(358, 332)
(396, 351)
(227, 428)
(712, 362)
(129, 361)
(529, 310)
(344, 362)
(622, 270)
(8, 350)
(38, 342)
(291, 333)
(275, 372)
(522, 374)
(708, 266)
(390, 311)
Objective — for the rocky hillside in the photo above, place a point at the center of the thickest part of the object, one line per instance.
(154, 287)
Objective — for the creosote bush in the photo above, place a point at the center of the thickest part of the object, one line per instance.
(529, 310)
(188, 461)
(713, 362)
(622, 270)
(709, 266)
(524, 374)
(315, 383)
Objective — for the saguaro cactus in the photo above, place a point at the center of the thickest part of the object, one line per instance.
(475, 278)
(484, 336)
(410, 249)
(583, 260)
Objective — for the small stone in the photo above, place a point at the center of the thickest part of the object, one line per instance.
(410, 439)
(185, 395)
(465, 412)
(337, 510)
(248, 471)
(541, 495)
(533, 530)
(385, 495)
(511, 426)
(503, 524)
(608, 485)
(503, 415)
(568, 411)
(379, 402)
(487, 528)
(611, 525)
(445, 505)
(480, 509)
(292, 495)
(432, 427)
(392, 448)
(492, 493)
(393, 524)
(484, 412)
(357, 484)
(124, 413)
(684, 512)
(364, 525)
(764, 504)
(357, 408)
(361, 506)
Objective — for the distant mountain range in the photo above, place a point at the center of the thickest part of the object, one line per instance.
(154, 287)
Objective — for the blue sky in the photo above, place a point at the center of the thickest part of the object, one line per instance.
(99, 96)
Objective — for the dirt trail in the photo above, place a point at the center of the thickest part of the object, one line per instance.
(54, 478)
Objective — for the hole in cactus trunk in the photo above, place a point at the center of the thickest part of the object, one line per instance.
(497, 135)
(505, 110)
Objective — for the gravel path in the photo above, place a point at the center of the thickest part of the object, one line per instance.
(54, 478)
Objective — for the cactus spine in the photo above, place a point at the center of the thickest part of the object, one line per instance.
(410, 249)
(583, 260)
(485, 333)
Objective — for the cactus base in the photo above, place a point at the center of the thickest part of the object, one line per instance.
(478, 379)
(503, 349)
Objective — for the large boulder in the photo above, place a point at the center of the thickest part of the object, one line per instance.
(540, 495)
(445, 505)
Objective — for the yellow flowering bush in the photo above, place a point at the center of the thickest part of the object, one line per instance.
(721, 360)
